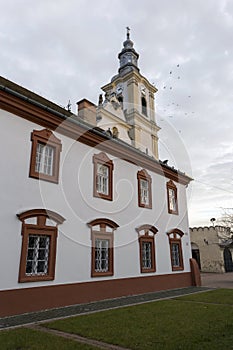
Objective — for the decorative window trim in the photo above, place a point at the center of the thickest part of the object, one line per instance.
(175, 236)
(39, 228)
(103, 159)
(146, 234)
(172, 186)
(102, 229)
(143, 175)
(46, 138)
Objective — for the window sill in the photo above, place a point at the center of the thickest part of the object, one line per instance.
(146, 206)
(148, 270)
(179, 268)
(43, 177)
(103, 196)
(102, 274)
(35, 279)
(173, 212)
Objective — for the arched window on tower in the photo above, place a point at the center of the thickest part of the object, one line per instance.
(144, 106)
(120, 100)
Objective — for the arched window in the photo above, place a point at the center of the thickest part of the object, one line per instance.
(39, 241)
(120, 100)
(115, 132)
(102, 263)
(228, 260)
(175, 236)
(144, 106)
(147, 247)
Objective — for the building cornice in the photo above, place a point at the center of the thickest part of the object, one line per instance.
(36, 110)
(123, 78)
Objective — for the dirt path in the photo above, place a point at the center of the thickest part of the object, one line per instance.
(217, 280)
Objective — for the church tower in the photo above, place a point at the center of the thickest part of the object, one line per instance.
(130, 98)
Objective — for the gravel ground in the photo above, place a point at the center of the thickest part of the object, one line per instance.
(35, 317)
(217, 280)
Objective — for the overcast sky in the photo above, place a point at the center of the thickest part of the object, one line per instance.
(67, 49)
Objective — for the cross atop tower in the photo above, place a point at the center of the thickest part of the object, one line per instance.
(128, 32)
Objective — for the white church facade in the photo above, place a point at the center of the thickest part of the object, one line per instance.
(88, 210)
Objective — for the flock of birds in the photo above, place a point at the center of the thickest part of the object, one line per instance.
(173, 109)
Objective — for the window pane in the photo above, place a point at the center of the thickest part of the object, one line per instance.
(144, 191)
(39, 151)
(41, 267)
(43, 241)
(172, 199)
(37, 255)
(30, 254)
(41, 254)
(146, 255)
(29, 267)
(31, 241)
(175, 254)
(101, 255)
(102, 179)
(44, 159)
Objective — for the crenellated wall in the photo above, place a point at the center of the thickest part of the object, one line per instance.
(208, 241)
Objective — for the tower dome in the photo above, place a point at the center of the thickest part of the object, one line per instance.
(128, 56)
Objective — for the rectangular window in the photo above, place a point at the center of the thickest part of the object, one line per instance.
(37, 255)
(101, 255)
(103, 176)
(175, 242)
(175, 250)
(172, 199)
(102, 179)
(44, 159)
(45, 156)
(147, 250)
(146, 255)
(144, 188)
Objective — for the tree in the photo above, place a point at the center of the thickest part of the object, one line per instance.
(226, 222)
(226, 219)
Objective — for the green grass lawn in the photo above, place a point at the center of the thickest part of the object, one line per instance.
(169, 324)
(197, 321)
(218, 296)
(28, 339)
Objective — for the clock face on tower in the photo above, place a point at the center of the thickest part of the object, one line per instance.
(119, 89)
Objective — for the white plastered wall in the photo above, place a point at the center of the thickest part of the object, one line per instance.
(73, 199)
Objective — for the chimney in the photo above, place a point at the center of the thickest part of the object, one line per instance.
(87, 111)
